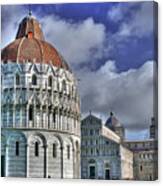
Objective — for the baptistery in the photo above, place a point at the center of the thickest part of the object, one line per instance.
(40, 118)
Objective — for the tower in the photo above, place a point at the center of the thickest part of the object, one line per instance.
(113, 124)
(153, 129)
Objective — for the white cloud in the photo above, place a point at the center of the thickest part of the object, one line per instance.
(129, 94)
(78, 42)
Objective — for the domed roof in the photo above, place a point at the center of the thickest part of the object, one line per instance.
(112, 122)
(30, 45)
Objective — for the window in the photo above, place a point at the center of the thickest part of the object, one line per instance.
(30, 35)
(50, 81)
(36, 149)
(68, 151)
(91, 132)
(141, 167)
(17, 149)
(17, 79)
(107, 142)
(54, 150)
(64, 85)
(34, 80)
(97, 131)
(30, 113)
(97, 151)
(54, 116)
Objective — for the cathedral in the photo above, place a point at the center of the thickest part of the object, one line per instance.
(40, 108)
(106, 154)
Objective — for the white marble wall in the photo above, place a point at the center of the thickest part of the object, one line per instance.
(26, 164)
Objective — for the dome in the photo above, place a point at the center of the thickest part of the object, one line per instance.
(30, 45)
(112, 122)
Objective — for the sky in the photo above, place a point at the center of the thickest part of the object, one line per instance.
(109, 47)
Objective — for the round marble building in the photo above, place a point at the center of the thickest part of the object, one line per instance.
(40, 108)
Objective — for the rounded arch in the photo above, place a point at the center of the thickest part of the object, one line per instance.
(37, 137)
(16, 136)
(55, 139)
(92, 161)
(16, 152)
(59, 138)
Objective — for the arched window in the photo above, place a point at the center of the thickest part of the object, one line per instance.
(64, 85)
(30, 114)
(141, 167)
(50, 81)
(68, 151)
(54, 116)
(17, 148)
(36, 149)
(54, 150)
(34, 80)
(17, 79)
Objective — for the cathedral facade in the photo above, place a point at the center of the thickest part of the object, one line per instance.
(106, 154)
(40, 108)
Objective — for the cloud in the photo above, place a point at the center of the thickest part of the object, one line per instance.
(79, 42)
(119, 11)
(135, 20)
(10, 19)
(129, 94)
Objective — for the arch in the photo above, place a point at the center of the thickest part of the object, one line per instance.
(92, 161)
(16, 152)
(55, 154)
(37, 148)
(16, 136)
(59, 138)
(92, 168)
(37, 134)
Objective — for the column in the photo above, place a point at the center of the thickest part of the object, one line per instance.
(41, 117)
(73, 154)
(62, 163)
(27, 160)
(7, 111)
(13, 115)
(45, 161)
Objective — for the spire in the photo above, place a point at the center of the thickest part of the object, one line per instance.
(29, 27)
(111, 113)
(29, 11)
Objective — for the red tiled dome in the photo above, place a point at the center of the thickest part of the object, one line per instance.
(29, 45)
